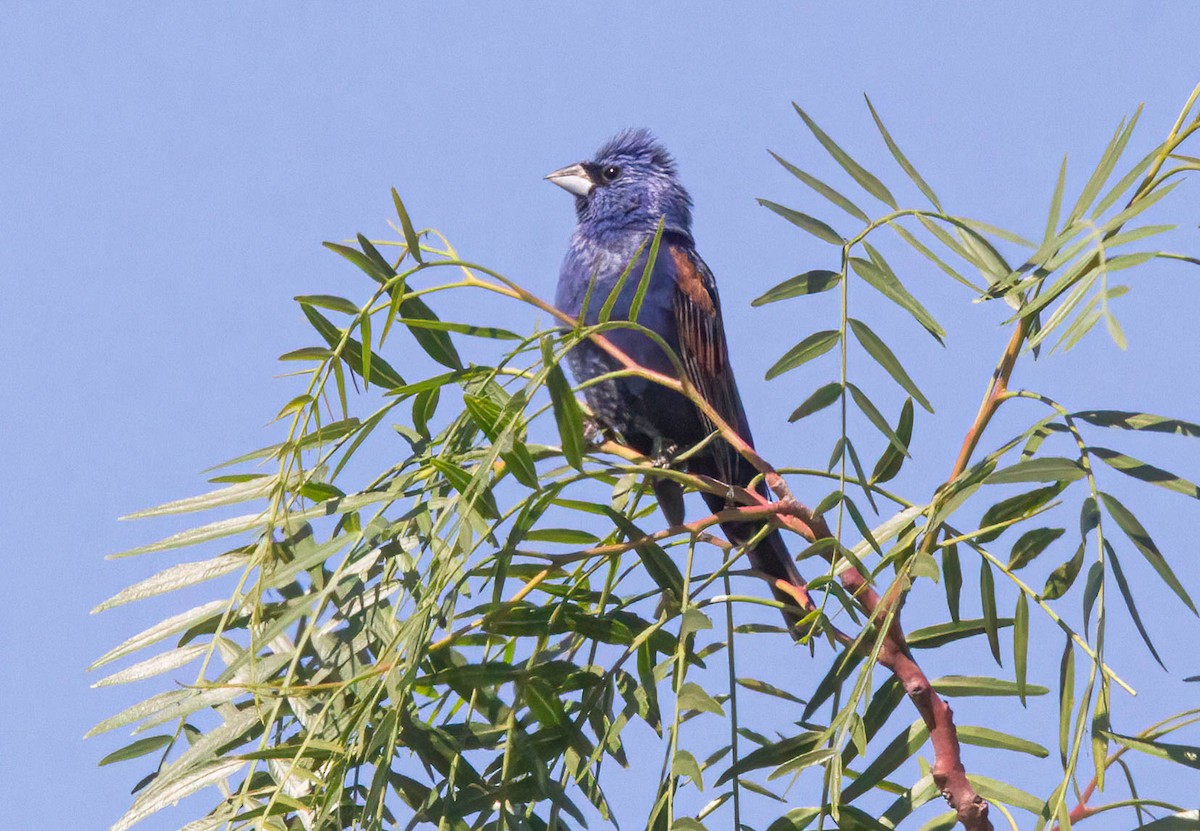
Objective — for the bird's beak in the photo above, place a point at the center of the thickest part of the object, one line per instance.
(574, 179)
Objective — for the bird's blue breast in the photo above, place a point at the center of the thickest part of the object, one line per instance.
(640, 410)
(600, 266)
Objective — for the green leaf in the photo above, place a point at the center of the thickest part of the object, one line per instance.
(157, 665)
(891, 459)
(842, 666)
(821, 398)
(1056, 202)
(406, 226)
(489, 332)
(771, 755)
(567, 413)
(435, 340)
(940, 634)
(813, 346)
(898, 751)
(685, 764)
(306, 353)
(639, 296)
(135, 749)
(1104, 168)
(176, 577)
(1127, 596)
(364, 328)
(901, 159)
(985, 737)
(1142, 542)
(952, 579)
(1126, 420)
(369, 266)
(1016, 507)
(876, 418)
(1021, 643)
(1181, 754)
(1061, 579)
(822, 188)
(887, 359)
(865, 179)
(804, 760)
(987, 596)
(163, 629)
(805, 222)
(234, 494)
(566, 536)
(797, 819)
(1039, 469)
(659, 565)
(328, 301)
(768, 689)
(886, 283)
(350, 350)
(978, 685)
(810, 282)
(1145, 471)
(1008, 794)
(1030, 545)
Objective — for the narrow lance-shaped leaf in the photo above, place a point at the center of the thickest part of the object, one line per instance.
(987, 595)
(1056, 202)
(1108, 161)
(1145, 545)
(822, 188)
(891, 460)
(898, 751)
(813, 346)
(567, 413)
(940, 634)
(975, 685)
(952, 579)
(901, 159)
(866, 180)
(1062, 578)
(639, 296)
(1145, 471)
(891, 288)
(406, 226)
(821, 398)
(1066, 699)
(1021, 643)
(1179, 753)
(877, 349)
(805, 222)
(876, 418)
(138, 748)
(1127, 596)
(1039, 469)
(1127, 420)
(810, 282)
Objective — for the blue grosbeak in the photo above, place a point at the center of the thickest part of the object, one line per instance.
(620, 198)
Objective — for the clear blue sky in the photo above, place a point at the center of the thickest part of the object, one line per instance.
(167, 173)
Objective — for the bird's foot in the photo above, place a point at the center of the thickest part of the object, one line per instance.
(595, 431)
(663, 454)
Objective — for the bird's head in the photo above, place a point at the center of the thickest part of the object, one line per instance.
(629, 185)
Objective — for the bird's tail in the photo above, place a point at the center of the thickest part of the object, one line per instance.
(770, 556)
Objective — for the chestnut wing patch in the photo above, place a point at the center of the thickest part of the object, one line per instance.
(702, 347)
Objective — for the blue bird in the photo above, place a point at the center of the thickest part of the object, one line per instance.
(621, 196)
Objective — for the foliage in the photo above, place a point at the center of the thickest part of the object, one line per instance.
(472, 634)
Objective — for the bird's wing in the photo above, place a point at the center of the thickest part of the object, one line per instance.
(703, 349)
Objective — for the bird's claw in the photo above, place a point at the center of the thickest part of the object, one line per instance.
(664, 453)
(594, 431)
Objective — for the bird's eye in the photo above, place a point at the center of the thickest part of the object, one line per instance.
(610, 173)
